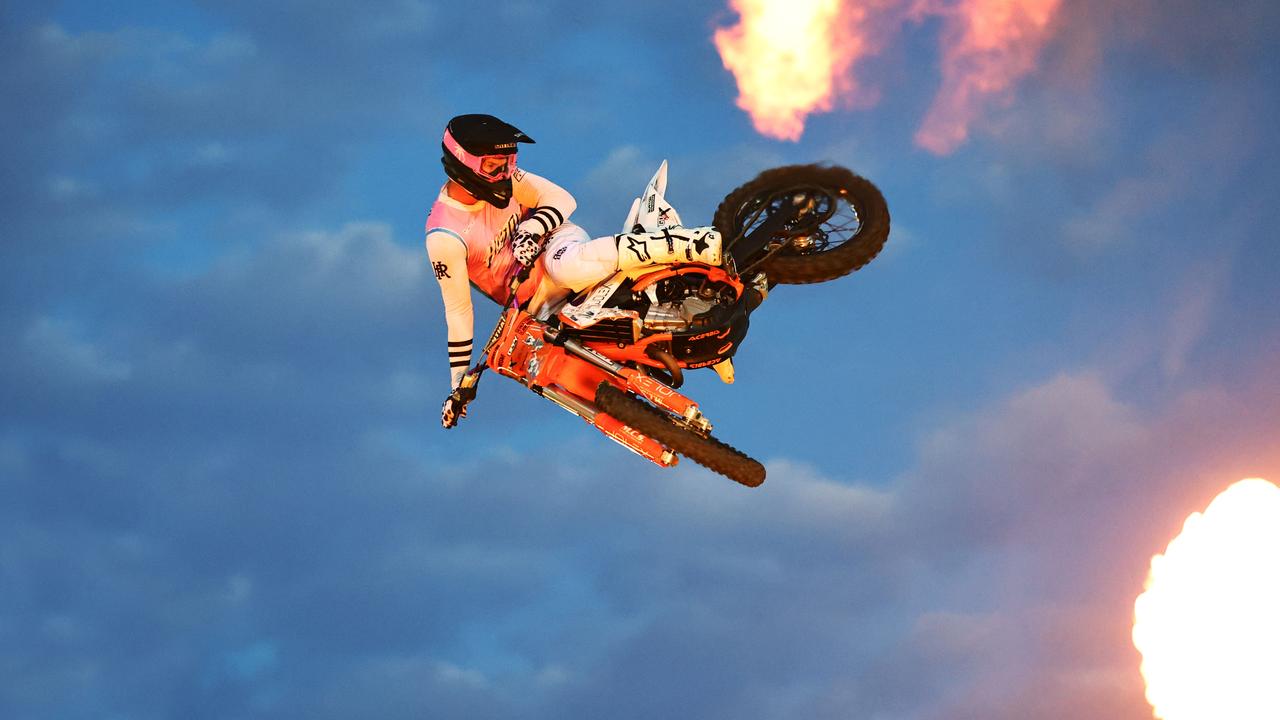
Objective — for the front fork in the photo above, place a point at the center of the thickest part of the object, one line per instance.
(654, 391)
(635, 441)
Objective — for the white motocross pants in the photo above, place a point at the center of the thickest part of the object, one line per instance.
(574, 260)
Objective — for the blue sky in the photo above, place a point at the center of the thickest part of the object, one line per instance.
(225, 493)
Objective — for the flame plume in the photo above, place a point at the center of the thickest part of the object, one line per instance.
(789, 60)
(793, 58)
(1208, 624)
(987, 46)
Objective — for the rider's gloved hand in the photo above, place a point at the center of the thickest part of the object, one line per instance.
(455, 406)
(527, 245)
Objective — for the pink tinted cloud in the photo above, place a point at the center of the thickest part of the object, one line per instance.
(1061, 494)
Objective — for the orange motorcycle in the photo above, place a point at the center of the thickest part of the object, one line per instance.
(615, 354)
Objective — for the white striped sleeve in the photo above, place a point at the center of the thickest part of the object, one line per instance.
(551, 204)
(448, 256)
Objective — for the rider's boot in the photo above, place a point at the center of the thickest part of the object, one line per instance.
(665, 247)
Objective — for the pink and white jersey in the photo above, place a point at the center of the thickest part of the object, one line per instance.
(471, 245)
(486, 231)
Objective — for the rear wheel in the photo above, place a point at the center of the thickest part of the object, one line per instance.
(833, 222)
(660, 426)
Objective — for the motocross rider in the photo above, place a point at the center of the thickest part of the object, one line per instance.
(491, 217)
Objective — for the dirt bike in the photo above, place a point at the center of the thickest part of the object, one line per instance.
(615, 354)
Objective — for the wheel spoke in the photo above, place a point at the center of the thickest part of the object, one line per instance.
(835, 222)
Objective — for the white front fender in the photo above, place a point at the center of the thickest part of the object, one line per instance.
(651, 211)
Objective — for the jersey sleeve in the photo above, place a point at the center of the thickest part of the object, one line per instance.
(551, 203)
(448, 254)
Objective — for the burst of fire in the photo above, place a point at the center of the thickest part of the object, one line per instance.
(789, 59)
(792, 58)
(1208, 624)
(987, 46)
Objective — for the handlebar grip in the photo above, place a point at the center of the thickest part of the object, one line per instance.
(467, 386)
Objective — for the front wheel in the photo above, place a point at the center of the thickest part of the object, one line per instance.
(804, 223)
(660, 426)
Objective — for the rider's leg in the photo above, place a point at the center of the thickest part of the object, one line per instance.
(576, 261)
(545, 297)
(664, 247)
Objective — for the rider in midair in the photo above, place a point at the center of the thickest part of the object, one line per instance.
(491, 216)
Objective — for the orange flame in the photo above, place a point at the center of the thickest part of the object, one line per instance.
(792, 58)
(1207, 625)
(789, 59)
(988, 45)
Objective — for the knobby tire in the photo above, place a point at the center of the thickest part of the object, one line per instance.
(866, 199)
(657, 424)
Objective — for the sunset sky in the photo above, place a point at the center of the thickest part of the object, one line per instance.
(225, 493)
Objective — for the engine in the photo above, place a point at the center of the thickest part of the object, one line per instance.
(676, 317)
(687, 302)
(702, 312)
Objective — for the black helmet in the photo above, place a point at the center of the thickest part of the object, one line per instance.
(480, 155)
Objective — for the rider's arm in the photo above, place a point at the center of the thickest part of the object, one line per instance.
(448, 255)
(551, 203)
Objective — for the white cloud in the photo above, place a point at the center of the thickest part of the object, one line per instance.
(55, 348)
(451, 674)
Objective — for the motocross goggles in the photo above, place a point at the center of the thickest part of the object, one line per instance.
(492, 167)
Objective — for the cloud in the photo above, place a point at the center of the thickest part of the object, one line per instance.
(209, 352)
(607, 188)
(51, 347)
(224, 495)
(1191, 316)
(1119, 192)
(1190, 35)
(1197, 156)
(217, 508)
(252, 112)
(276, 559)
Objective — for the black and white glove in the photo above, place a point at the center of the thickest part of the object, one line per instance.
(526, 246)
(455, 406)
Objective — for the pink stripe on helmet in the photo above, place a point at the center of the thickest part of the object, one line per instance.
(474, 161)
